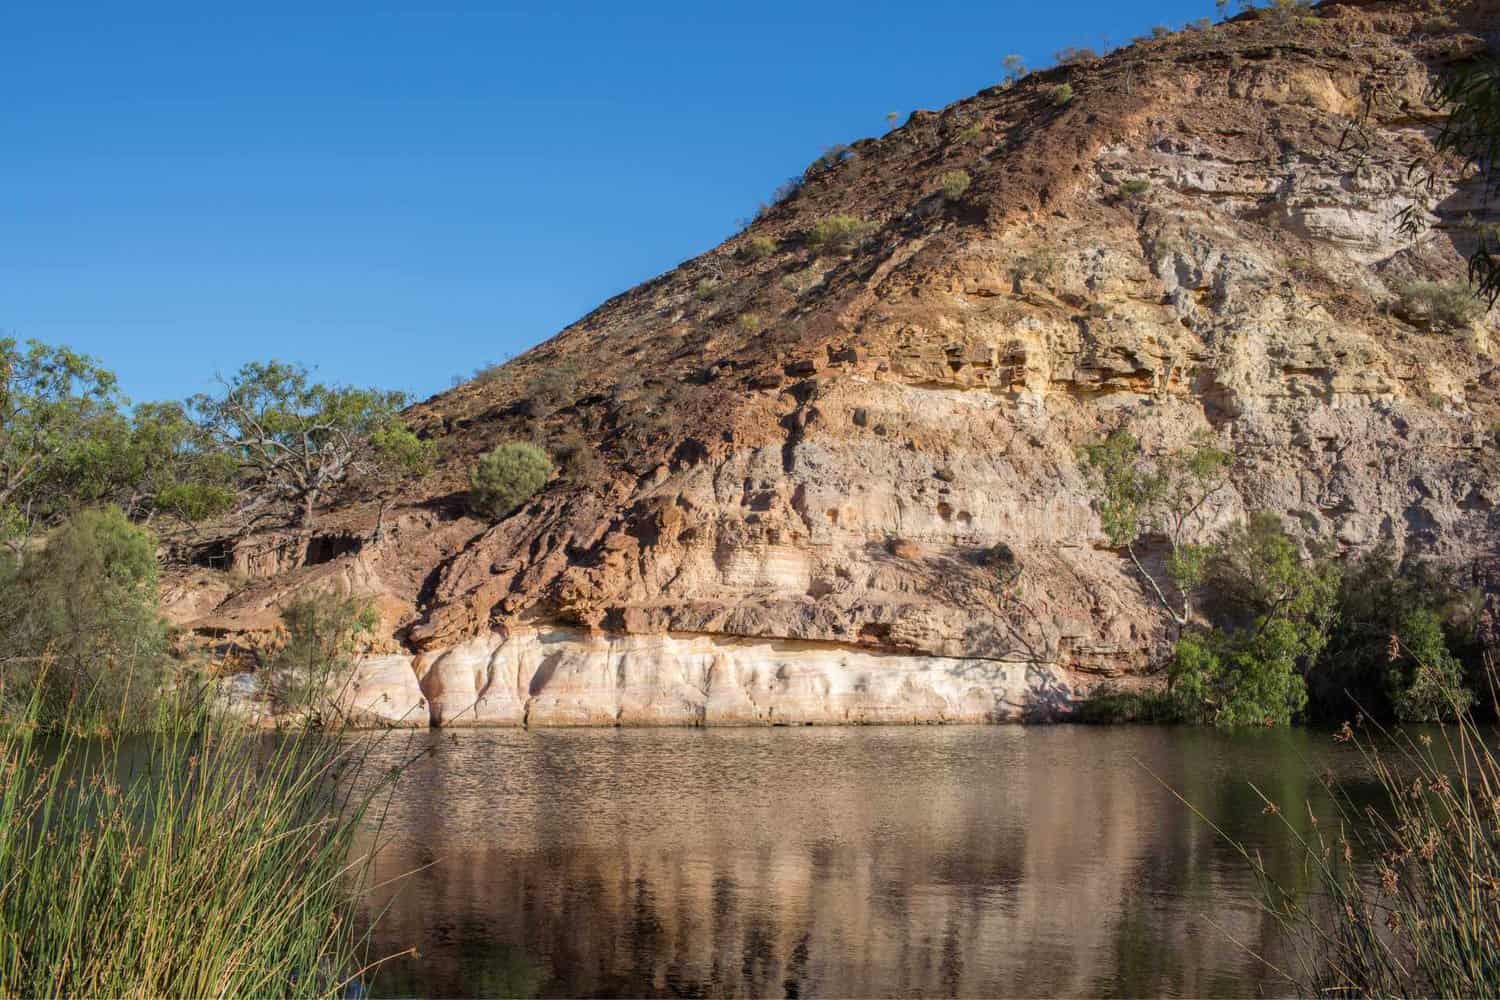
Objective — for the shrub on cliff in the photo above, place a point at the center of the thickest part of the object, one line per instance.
(954, 184)
(1167, 496)
(758, 248)
(1060, 94)
(80, 629)
(507, 477)
(1447, 306)
(838, 232)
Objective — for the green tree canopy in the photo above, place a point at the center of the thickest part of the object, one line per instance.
(80, 633)
(293, 439)
(51, 399)
(1274, 609)
(1167, 496)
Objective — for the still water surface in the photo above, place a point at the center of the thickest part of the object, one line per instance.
(985, 861)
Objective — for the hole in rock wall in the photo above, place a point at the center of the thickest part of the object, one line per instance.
(326, 548)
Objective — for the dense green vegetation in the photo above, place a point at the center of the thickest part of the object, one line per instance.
(1268, 630)
(80, 635)
(200, 860)
(272, 443)
(507, 477)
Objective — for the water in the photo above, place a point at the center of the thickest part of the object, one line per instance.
(983, 861)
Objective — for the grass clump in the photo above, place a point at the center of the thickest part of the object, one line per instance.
(1060, 95)
(971, 133)
(1448, 306)
(838, 232)
(954, 183)
(507, 477)
(204, 860)
(750, 322)
(758, 248)
(1132, 189)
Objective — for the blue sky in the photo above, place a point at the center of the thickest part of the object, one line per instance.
(398, 193)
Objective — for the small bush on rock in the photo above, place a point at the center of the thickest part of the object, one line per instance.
(1448, 306)
(758, 248)
(507, 477)
(1060, 94)
(838, 232)
(955, 183)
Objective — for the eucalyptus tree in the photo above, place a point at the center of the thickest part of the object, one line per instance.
(293, 440)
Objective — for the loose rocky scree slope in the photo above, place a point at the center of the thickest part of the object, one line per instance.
(840, 483)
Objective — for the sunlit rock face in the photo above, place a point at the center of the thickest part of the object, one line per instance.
(815, 483)
(561, 678)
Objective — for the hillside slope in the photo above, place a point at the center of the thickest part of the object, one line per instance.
(839, 482)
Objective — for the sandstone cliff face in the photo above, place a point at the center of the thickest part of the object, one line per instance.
(808, 484)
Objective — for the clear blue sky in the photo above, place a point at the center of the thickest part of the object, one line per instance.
(397, 193)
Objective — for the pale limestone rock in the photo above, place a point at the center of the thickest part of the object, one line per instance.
(558, 677)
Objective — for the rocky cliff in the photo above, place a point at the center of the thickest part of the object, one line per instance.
(830, 474)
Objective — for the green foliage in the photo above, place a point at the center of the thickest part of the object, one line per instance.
(1134, 188)
(1274, 609)
(51, 401)
(1447, 306)
(324, 632)
(970, 133)
(507, 477)
(1426, 684)
(399, 454)
(291, 438)
(1469, 97)
(1244, 678)
(1060, 94)
(1108, 705)
(750, 322)
(758, 248)
(954, 183)
(1392, 621)
(81, 639)
(202, 860)
(838, 232)
(1167, 496)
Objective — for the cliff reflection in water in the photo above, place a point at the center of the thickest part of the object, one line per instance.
(851, 862)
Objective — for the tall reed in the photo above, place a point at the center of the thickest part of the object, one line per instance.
(201, 859)
(1408, 886)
